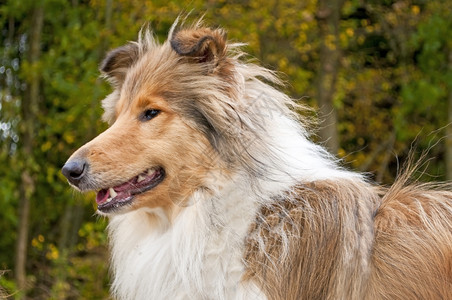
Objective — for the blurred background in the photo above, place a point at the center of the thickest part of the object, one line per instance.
(379, 73)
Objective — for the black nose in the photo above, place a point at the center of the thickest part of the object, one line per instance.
(74, 170)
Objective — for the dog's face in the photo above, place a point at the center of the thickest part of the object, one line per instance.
(161, 143)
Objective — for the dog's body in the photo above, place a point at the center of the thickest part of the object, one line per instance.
(214, 190)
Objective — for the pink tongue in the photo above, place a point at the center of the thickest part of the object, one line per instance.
(125, 186)
(102, 196)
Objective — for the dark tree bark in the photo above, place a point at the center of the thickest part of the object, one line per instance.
(328, 15)
(30, 103)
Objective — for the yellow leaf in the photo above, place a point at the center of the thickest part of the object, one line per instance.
(350, 32)
(415, 9)
(46, 146)
(69, 137)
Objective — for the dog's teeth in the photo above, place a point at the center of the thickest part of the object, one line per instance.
(151, 171)
(112, 192)
(109, 199)
(140, 178)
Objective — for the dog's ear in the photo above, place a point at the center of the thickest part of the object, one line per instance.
(202, 45)
(118, 61)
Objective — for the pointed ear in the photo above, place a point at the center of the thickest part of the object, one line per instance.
(118, 61)
(202, 45)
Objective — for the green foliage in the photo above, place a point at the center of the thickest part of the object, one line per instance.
(394, 80)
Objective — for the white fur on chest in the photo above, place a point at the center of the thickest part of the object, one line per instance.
(199, 256)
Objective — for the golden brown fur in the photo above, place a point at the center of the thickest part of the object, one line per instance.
(412, 252)
(353, 241)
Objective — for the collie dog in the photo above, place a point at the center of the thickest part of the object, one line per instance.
(213, 189)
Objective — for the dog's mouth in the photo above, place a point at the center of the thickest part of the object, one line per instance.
(111, 199)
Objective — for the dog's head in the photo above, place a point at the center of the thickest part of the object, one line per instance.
(175, 116)
(168, 115)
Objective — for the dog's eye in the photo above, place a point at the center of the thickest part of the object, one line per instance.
(149, 114)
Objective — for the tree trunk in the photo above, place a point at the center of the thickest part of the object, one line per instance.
(388, 154)
(30, 103)
(448, 138)
(328, 15)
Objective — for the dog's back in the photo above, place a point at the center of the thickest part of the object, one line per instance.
(412, 248)
(345, 240)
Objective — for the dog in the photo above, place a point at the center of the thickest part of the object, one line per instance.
(214, 190)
